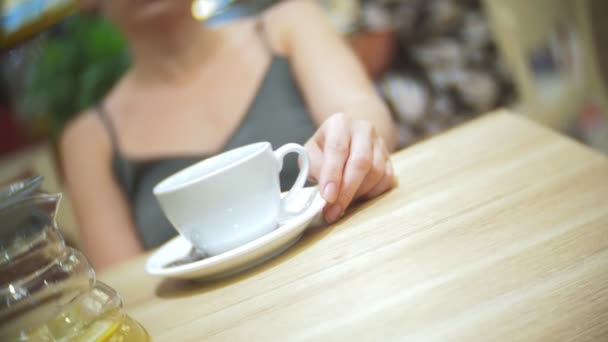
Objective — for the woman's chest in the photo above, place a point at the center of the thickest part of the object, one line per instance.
(196, 119)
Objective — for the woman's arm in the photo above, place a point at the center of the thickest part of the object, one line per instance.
(106, 229)
(330, 76)
(349, 153)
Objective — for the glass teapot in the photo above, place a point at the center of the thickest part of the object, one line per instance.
(48, 291)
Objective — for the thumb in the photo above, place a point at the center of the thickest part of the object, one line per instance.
(315, 158)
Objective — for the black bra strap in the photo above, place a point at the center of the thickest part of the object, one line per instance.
(107, 122)
(263, 34)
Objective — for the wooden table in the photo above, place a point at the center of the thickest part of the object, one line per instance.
(497, 232)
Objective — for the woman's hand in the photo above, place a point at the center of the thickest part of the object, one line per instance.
(349, 154)
(349, 160)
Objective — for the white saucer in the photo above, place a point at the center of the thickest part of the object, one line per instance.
(246, 256)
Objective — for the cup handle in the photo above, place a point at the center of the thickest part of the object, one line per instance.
(297, 187)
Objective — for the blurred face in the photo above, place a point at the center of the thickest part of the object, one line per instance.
(146, 14)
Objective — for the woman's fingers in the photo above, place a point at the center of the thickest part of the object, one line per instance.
(349, 161)
(335, 140)
(388, 182)
(358, 165)
(377, 171)
(315, 158)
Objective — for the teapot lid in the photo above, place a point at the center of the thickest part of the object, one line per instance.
(19, 190)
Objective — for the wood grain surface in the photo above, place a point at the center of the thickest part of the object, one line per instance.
(498, 231)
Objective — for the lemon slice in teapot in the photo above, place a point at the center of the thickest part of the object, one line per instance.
(100, 331)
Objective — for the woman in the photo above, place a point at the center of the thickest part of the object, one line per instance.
(192, 91)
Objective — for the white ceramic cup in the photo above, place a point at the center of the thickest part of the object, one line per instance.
(230, 199)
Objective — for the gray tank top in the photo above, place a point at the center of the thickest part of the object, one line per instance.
(278, 115)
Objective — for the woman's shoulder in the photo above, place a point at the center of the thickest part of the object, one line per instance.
(295, 9)
(84, 134)
(286, 20)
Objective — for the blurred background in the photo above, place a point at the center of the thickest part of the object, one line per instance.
(437, 63)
